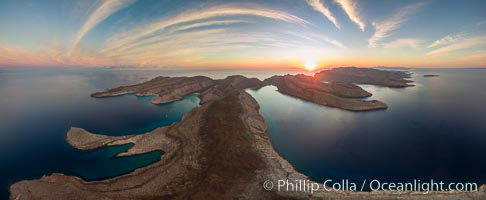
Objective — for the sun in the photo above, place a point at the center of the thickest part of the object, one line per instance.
(310, 65)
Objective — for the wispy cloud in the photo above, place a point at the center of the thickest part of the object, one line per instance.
(320, 7)
(403, 42)
(208, 23)
(446, 40)
(196, 46)
(171, 42)
(350, 7)
(107, 8)
(14, 56)
(146, 30)
(384, 29)
(4, 49)
(331, 41)
(317, 38)
(459, 44)
(477, 56)
(190, 27)
(50, 55)
(468, 31)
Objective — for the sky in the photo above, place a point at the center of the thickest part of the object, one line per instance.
(242, 34)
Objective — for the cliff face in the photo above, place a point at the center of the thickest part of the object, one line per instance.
(332, 94)
(366, 76)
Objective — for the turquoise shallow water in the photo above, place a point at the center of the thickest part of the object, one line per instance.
(434, 130)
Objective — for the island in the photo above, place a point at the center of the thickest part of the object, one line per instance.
(387, 78)
(431, 75)
(335, 94)
(219, 150)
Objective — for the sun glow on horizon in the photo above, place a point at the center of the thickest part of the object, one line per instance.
(310, 64)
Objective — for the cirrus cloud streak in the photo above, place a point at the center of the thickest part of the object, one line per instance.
(106, 9)
(321, 8)
(149, 29)
(350, 7)
(384, 29)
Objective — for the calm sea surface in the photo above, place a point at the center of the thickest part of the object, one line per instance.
(38, 105)
(434, 130)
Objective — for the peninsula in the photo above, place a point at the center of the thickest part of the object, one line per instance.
(219, 150)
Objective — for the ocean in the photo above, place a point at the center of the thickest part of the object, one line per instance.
(433, 130)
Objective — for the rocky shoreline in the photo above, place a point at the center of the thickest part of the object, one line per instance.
(219, 150)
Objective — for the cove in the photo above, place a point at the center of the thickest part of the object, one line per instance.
(38, 107)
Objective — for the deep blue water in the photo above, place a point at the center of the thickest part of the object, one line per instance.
(435, 130)
(38, 105)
